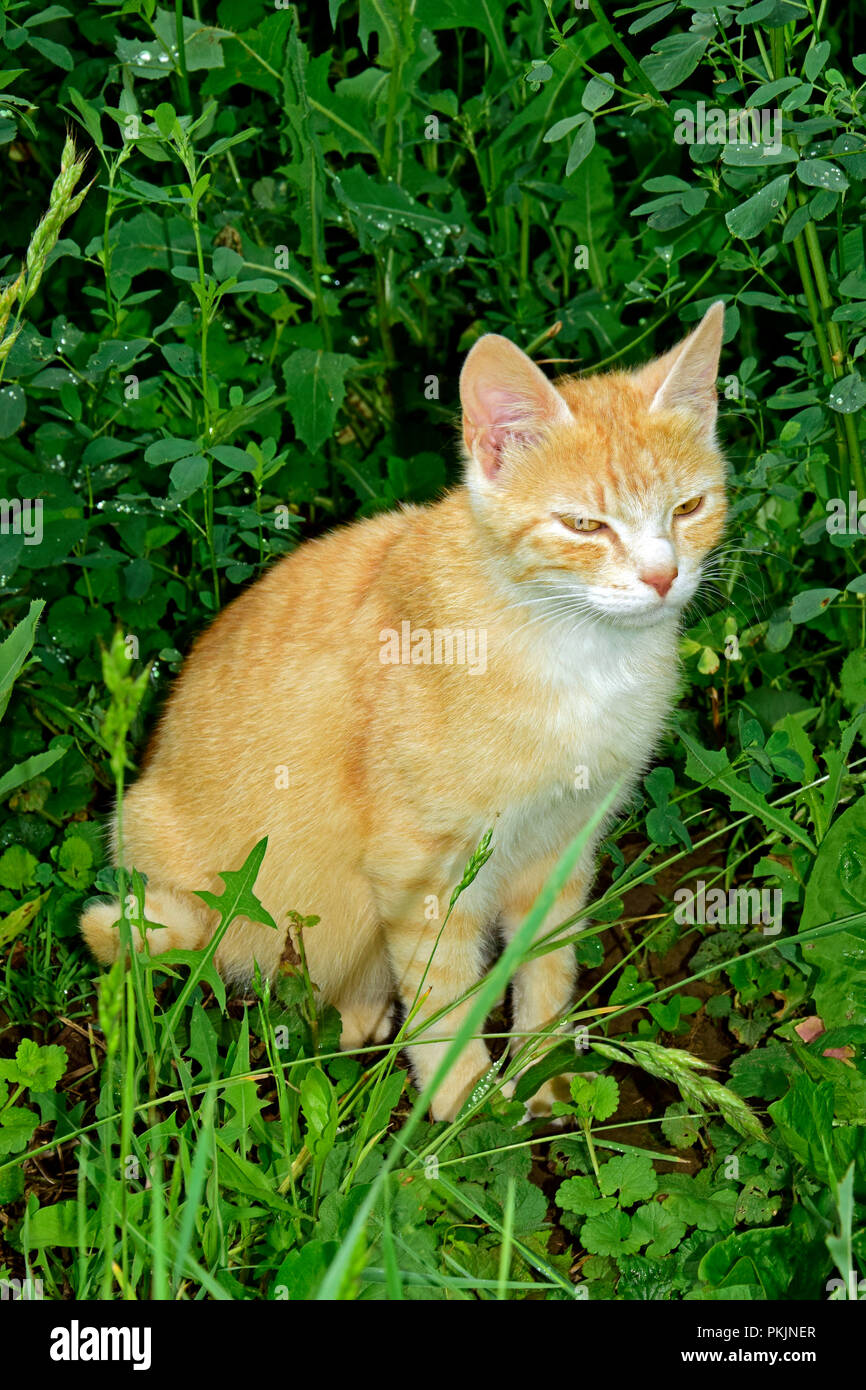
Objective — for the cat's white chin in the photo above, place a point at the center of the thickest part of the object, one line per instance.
(638, 613)
(640, 610)
(641, 618)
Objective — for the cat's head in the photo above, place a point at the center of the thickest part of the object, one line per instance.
(608, 489)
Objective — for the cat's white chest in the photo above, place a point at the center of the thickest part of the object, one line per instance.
(608, 694)
(606, 702)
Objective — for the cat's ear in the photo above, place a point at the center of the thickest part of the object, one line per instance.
(505, 397)
(685, 377)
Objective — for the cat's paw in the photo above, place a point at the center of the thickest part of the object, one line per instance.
(540, 1105)
(459, 1084)
(364, 1024)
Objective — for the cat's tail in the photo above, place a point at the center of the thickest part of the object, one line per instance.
(180, 922)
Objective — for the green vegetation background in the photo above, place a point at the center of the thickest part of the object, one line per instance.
(250, 328)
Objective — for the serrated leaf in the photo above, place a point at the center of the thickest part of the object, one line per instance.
(631, 1175)
(315, 386)
(609, 1233)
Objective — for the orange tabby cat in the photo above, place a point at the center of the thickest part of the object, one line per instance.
(386, 694)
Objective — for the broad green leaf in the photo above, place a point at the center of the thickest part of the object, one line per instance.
(315, 387)
(820, 173)
(20, 773)
(810, 603)
(39, 1068)
(848, 395)
(58, 1225)
(710, 767)
(187, 476)
(381, 207)
(752, 216)
(598, 91)
(17, 865)
(673, 59)
(158, 57)
(169, 450)
(13, 408)
(656, 1228)
(17, 1124)
(763, 1252)
(20, 918)
(15, 649)
(836, 888)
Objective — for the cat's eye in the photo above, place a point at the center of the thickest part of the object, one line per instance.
(581, 523)
(686, 508)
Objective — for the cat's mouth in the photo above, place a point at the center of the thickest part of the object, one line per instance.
(639, 611)
(611, 607)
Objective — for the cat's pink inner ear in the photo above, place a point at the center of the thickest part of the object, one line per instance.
(685, 378)
(505, 398)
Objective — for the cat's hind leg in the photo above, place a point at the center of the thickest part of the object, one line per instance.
(180, 922)
(366, 1001)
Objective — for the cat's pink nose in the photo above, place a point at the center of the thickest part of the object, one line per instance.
(660, 580)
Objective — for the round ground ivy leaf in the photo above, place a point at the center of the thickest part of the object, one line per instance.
(40, 1068)
(656, 1228)
(581, 1195)
(679, 1126)
(11, 1181)
(597, 1097)
(609, 1233)
(632, 1175)
(17, 866)
(16, 1129)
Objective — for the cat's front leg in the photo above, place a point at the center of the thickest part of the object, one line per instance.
(438, 974)
(543, 987)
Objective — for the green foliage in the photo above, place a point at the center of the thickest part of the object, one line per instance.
(232, 314)
(35, 1069)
